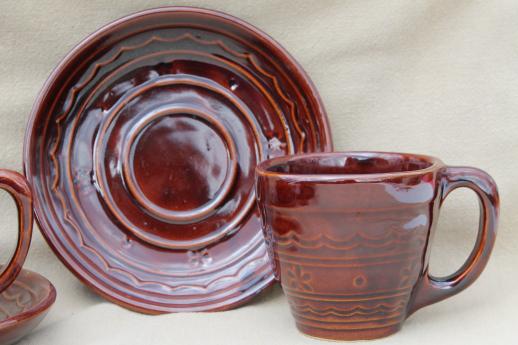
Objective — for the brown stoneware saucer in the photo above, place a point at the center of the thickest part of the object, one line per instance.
(141, 151)
(23, 305)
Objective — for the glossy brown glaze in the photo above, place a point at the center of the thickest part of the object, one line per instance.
(23, 305)
(350, 236)
(16, 185)
(141, 150)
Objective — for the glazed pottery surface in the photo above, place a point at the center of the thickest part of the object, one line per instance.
(16, 185)
(23, 305)
(350, 236)
(141, 151)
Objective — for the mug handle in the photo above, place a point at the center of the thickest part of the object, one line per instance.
(430, 289)
(16, 185)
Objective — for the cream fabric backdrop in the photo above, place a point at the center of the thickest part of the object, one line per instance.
(435, 77)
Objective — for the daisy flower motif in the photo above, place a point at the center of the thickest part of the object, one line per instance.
(83, 181)
(199, 258)
(275, 147)
(298, 279)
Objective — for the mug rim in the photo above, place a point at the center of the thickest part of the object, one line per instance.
(262, 169)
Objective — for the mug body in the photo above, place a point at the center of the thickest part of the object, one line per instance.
(348, 235)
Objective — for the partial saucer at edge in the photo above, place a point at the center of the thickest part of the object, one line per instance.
(23, 305)
(141, 151)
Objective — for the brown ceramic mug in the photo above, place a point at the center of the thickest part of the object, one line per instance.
(16, 185)
(350, 236)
